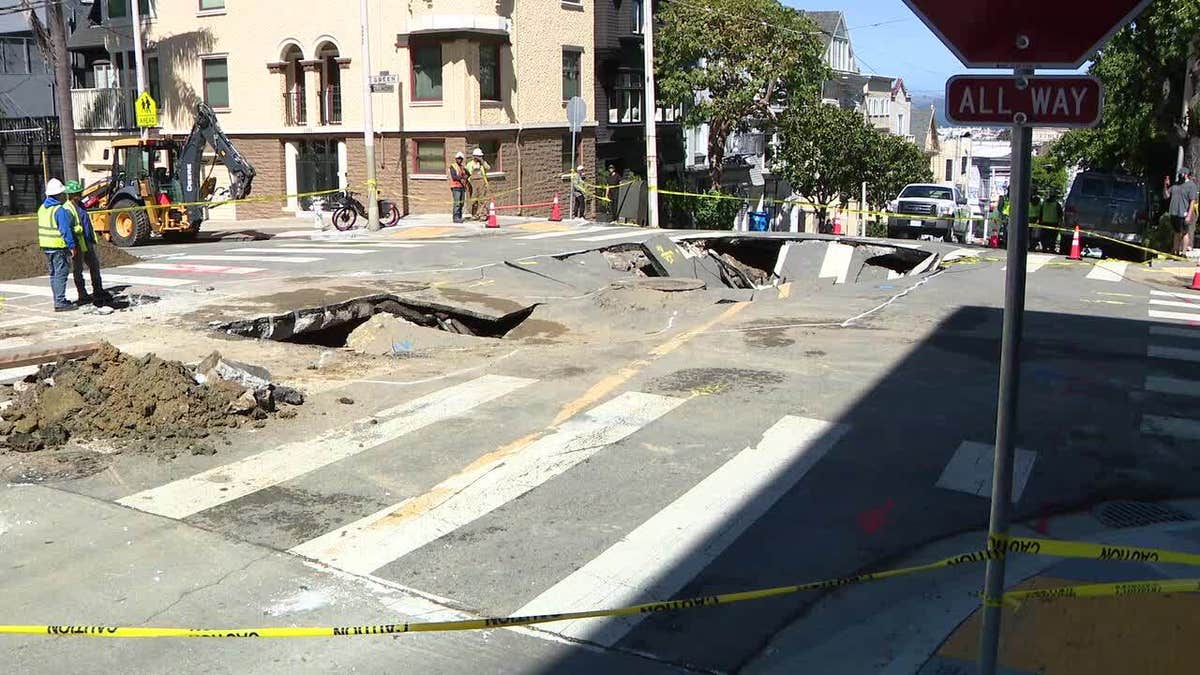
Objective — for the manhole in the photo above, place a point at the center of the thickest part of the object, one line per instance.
(1138, 514)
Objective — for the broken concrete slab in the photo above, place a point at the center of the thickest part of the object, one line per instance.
(664, 284)
(387, 335)
(667, 258)
(836, 263)
(214, 367)
(584, 272)
(800, 261)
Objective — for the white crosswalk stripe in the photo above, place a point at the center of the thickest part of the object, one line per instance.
(1174, 331)
(836, 263)
(24, 321)
(133, 280)
(17, 290)
(300, 248)
(1159, 425)
(1175, 303)
(1172, 385)
(1175, 316)
(659, 557)
(563, 233)
(251, 258)
(1178, 294)
(222, 484)
(1036, 261)
(1176, 353)
(194, 269)
(970, 470)
(1108, 270)
(618, 235)
(372, 542)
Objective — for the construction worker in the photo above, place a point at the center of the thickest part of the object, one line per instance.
(1034, 217)
(56, 237)
(612, 190)
(477, 171)
(580, 191)
(457, 173)
(85, 237)
(1052, 212)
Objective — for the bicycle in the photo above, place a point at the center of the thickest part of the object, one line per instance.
(347, 209)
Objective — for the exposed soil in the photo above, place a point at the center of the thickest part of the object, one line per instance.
(146, 404)
(21, 258)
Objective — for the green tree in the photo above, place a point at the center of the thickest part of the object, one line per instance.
(898, 162)
(1048, 175)
(746, 58)
(825, 153)
(1143, 70)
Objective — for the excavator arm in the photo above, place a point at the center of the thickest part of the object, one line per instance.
(189, 163)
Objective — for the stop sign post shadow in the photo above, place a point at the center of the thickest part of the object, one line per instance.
(1023, 35)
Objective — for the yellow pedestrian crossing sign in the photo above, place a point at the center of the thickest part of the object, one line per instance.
(147, 110)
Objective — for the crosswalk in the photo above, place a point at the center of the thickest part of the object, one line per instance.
(1172, 352)
(594, 234)
(660, 552)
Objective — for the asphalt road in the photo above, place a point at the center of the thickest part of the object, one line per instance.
(744, 446)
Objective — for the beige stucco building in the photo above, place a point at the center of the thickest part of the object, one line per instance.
(286, 81)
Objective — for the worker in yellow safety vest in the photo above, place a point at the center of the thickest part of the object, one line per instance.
(1052, 213)
(56, 237)
(477, 171)
(85, 237)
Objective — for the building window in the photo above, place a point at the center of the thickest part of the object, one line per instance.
(119, 9)
(429, 156)
(427, 72)
(949, 169)
(626, 104)
(638, 17)
(570, 72)
(491, 153)
(210, 5)
(964, 165)
(216, 82)
(14, 56)
(567, 155)
(489, 71)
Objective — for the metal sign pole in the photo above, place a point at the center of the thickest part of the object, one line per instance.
(571, 190)
(1006, 408)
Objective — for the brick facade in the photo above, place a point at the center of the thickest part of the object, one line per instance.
(270, 178)
(531, 174)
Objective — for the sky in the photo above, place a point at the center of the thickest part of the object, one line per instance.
(888, 39)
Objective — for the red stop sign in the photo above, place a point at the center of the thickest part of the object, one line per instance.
(1025, 33)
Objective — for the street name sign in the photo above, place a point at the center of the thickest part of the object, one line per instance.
(576, 114)
(1040, 101)
(1025, 33)
(146, 110)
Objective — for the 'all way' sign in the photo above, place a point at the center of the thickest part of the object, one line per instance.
(1042, 101)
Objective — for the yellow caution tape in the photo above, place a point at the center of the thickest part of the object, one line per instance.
(1097, 235)
(998, 547)
(483, 623)
(1120, 588)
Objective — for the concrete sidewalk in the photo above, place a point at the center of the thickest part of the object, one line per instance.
(929, 623)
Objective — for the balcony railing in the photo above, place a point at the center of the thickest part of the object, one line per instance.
(294, 112)
(108, 108)
(331, 105)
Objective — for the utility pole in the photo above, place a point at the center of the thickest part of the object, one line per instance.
(650, 116)
(138, 66)
(60, 60)
(368, 121)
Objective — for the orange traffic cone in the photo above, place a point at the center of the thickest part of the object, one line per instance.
(556, 210)
(1196, 278)
(491, 221)
(1076, 248)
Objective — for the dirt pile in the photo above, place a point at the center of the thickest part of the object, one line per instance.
(21, 258)
(148, 403)
(390, 335)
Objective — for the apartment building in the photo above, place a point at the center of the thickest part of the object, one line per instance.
(285, 79)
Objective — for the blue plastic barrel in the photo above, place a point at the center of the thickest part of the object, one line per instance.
(759, 221)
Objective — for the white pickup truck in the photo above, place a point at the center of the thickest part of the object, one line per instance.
(940, 210)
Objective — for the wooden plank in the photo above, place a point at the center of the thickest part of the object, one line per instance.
(27, 357)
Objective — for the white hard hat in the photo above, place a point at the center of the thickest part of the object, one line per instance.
(579, 168)
(458, 155)
(54, 186)
(478, 152)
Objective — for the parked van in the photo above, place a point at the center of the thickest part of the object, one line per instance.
(1115, 205)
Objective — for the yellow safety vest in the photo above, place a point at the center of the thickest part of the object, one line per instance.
(80, 240)
(48, 234)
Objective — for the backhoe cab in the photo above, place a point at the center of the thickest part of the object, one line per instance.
(159, 181)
